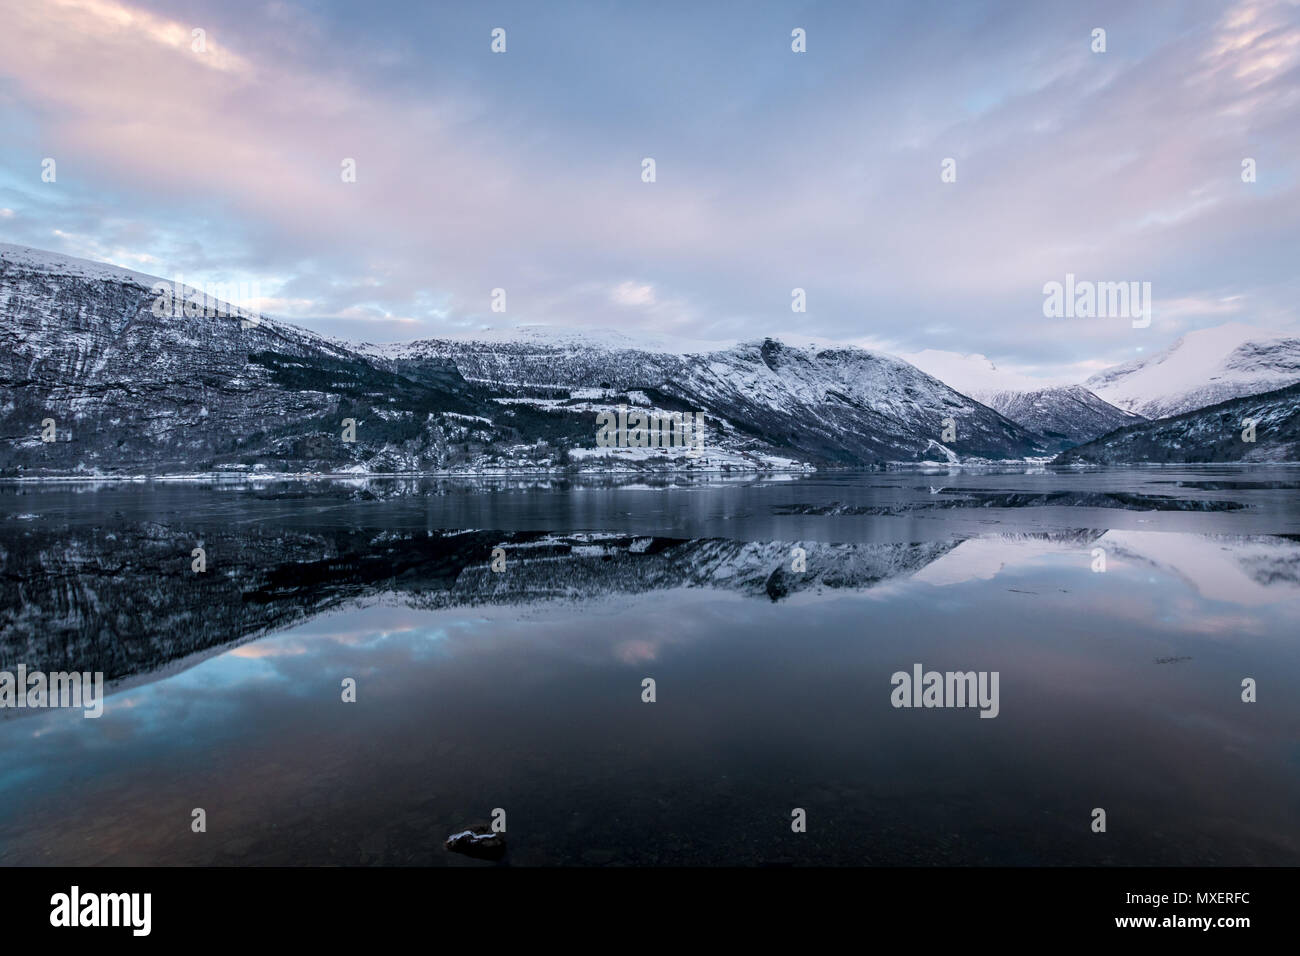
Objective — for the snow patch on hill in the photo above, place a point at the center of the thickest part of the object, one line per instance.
(1202, 368)
(559, 338)
(40, 260)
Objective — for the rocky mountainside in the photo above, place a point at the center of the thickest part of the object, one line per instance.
(124, 388)
(131, 391)
(1202, 368)
(128, 390)
(1205, 435)
(1064, 414)
(835, 404)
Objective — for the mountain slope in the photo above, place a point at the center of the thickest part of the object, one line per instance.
(1066, 414)
(132, 391)
(1205, 435)
(1202, 368)
(129, 389)
(1063, 414)
(839, 405)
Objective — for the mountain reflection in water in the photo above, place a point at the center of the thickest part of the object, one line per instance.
(521, 688)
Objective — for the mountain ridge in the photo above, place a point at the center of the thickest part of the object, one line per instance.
(1200, 369)
(133, 391)
(1211, 434)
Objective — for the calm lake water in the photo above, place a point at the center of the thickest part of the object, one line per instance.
(521, 689)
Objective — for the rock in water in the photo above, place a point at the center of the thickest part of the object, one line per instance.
(478, 842)
(778, 585)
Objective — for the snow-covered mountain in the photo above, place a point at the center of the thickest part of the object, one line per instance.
(128, 390)
(1067, 414)
(1202, 368)
(132, 391)
(555, 337)
(27, 259)
(836, 404)
(1212, 434)
(1064, 414)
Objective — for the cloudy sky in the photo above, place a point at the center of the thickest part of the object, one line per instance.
(775, 170)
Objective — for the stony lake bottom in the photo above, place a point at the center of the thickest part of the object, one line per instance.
(521, 688)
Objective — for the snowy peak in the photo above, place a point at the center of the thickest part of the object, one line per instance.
(840, 404)
(134, 389)
(1212, 434)
(1202, 368)
(26, 258)
(1064, 414)
(553, 338)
